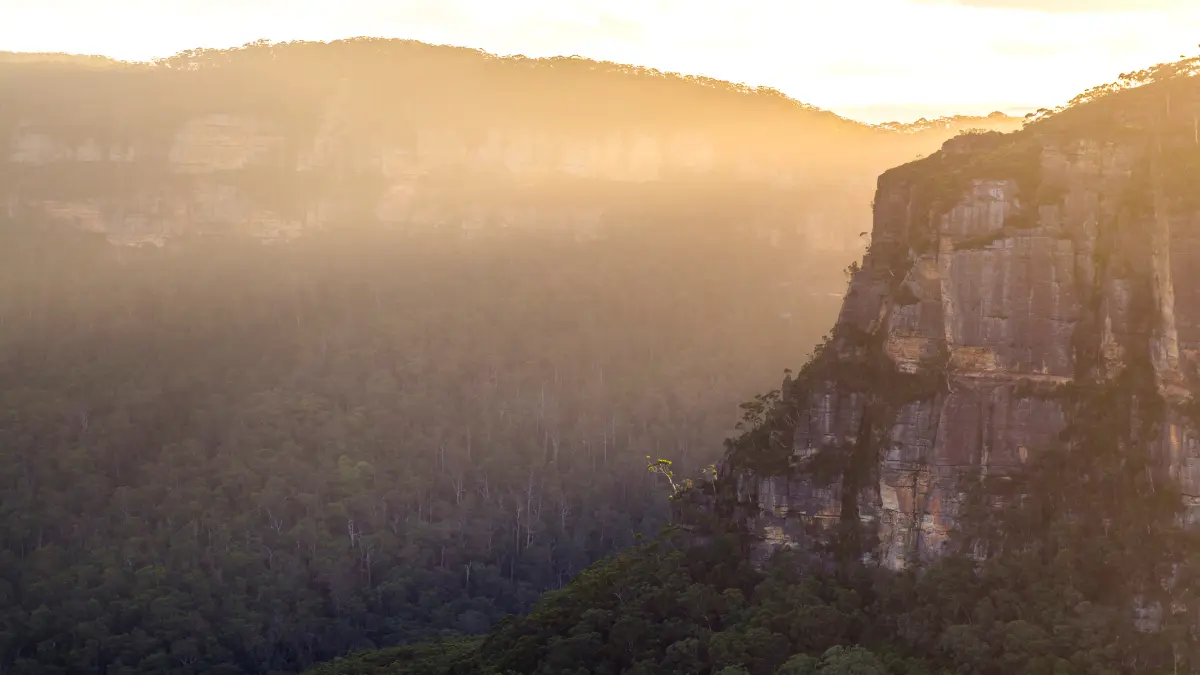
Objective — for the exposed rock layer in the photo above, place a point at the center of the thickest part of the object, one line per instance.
(273, 140)
(1006, 274)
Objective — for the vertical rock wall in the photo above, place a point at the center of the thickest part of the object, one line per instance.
(1005, 273)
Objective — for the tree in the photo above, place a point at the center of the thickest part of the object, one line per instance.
(800, 664)
(850, 661)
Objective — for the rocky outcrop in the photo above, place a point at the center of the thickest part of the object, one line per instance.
(1007, 275)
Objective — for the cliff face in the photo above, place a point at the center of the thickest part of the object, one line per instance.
(1011, 280)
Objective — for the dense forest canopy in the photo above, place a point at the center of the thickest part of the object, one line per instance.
(255, 458)
(1069, 564)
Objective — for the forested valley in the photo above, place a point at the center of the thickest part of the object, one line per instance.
(224, 456)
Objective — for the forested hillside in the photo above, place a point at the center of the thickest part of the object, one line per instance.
(1057, 596)
(433, 398)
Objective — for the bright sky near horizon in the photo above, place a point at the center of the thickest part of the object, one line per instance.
(873, 60)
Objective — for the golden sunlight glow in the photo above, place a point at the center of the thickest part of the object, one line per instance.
(869, 59)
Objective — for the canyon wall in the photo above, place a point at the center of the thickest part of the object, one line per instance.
(1012, 281)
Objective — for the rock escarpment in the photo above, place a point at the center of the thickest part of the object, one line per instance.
(1012, 281)
(271, 141)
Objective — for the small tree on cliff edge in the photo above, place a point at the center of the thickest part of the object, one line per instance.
(663, 468)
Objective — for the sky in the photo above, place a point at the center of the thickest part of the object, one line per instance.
(872, 60)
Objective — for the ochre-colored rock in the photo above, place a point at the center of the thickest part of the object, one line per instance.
(1005, 272)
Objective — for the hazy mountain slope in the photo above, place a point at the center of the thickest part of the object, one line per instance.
(274, 140)
(498, 285)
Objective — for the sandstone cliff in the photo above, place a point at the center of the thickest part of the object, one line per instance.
(1021, 291)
